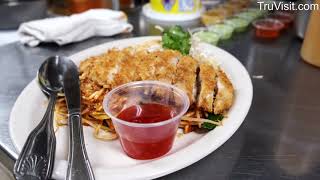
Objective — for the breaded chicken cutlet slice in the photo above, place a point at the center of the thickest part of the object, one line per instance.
(208, 82)
(127, 69)
(224, 98)
(166, 65)
(102, 69)
(186, 77)
(146, 66)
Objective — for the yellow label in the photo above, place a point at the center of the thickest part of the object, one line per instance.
(176, 6)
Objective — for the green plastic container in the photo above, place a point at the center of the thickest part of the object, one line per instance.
(250, 16)
(223, 30)
(207, 37)
(238, 24)
(258, 12)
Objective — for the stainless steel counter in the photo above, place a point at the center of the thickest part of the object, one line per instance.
(280, 138)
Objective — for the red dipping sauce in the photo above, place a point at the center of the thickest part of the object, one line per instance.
(147, 142)
(268, 28)
(285, 18)
(146, 113)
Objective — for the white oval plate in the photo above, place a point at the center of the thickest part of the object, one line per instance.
(107, 158)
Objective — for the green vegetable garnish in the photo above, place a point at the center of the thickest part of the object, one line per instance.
(213, 117)
(177, 39)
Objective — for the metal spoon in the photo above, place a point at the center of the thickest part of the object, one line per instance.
(37, 156)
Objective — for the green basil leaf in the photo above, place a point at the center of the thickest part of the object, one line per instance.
(177, 39)
(213, 117)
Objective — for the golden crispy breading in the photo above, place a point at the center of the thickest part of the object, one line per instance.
(127, 69)
(224, 97)
(208, 83)
(186, 76)
(146, 67)
(165, 69)
(103, 68)
(166, 65)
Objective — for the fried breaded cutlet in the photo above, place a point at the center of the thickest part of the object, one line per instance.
(186, 76)
(127, 69)
(208, 82)
(146, 66)
(209, 89)
(102, 69)
(166, 65)
(224, 98)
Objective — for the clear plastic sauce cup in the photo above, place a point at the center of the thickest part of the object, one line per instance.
(268, 28)
(146, 116)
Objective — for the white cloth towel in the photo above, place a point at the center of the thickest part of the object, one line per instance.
(74, 28)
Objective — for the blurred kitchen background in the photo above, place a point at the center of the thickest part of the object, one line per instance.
(15, 12)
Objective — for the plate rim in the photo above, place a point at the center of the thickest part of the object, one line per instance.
(182, 163)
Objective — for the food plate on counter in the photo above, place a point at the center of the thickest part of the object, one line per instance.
(107, 158)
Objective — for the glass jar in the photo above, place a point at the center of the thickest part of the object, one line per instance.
(310, 48)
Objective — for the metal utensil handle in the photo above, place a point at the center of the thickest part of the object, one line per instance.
(36, 159)
(79, 167)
